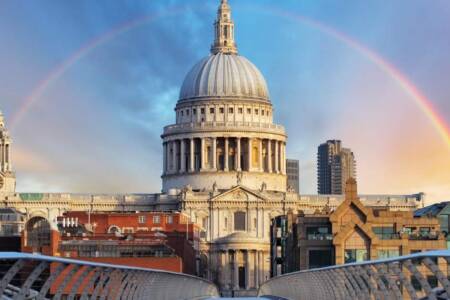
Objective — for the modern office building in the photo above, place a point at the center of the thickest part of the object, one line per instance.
(335, 165)
(350, 233)
(440, 211)
(293, 175)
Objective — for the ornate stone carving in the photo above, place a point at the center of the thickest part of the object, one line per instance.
(263, 187)
(239, 178)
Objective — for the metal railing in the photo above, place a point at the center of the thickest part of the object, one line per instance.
(422, 275)
(29, 276)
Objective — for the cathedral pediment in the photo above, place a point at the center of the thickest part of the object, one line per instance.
(239, 193)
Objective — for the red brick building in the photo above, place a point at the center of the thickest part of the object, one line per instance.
(159, 240)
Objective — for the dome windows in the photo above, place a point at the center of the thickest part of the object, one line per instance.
(223, 112)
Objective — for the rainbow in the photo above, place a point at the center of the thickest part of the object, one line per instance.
(60, 69)
(424, 104)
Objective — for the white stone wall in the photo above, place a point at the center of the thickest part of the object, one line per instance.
(225, 180)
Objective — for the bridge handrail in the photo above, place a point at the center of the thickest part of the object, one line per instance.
(197, 287)
(368, 273)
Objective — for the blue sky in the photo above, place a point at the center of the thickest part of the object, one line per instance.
(96, 127)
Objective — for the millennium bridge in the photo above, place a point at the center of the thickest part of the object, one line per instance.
(422, 275)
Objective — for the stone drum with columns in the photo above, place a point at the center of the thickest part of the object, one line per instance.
(224, 123)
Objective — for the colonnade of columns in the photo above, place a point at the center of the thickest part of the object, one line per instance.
(252, 262)
(224, 154)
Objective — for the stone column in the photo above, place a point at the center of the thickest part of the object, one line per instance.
(283, 158)
(256, 270)
(226, 155)
(8, 166)
(249, 154)
(277, 159)
(269, 155)
(260, 267)
(238, 153)
(202, 154)
(214, 153)
(174, 157)
(191, 155)
(235, 270)
(226, 271)
(182, 156)
(247, 269)
(2, 163)
(164, 157)
(261, 165)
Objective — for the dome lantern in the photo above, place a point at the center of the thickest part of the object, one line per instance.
(224, 31)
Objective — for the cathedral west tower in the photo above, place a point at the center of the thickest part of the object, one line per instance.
(7, 177)
(224, 133)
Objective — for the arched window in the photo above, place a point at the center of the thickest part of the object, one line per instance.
(114, 229)
(239, 221)
(37, 233)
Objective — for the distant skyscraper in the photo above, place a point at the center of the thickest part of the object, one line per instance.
(334, 166)
(293, 173)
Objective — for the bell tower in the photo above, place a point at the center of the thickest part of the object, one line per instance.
(224, 31)
(7, 176)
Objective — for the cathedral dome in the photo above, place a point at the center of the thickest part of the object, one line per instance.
(224, 75)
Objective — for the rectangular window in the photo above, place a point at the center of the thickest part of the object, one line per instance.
(415, 283)
(388, 253)
(432, 280)
(443, 221)
(194, 111)
(156, 219)
(187, 112)
(319, 233)
(211, 110)
(169, 219)
(424, 230)
(239, 221)
(255, 224)
(142, 219)
(230, 110)
(386, 233)
(320, 258)
(262, 112)
(225, 223)
(256, 111)
(240, 110)
(202, 111)
(249, 110)
(221, 110)
(355, 255)
(181, 113)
